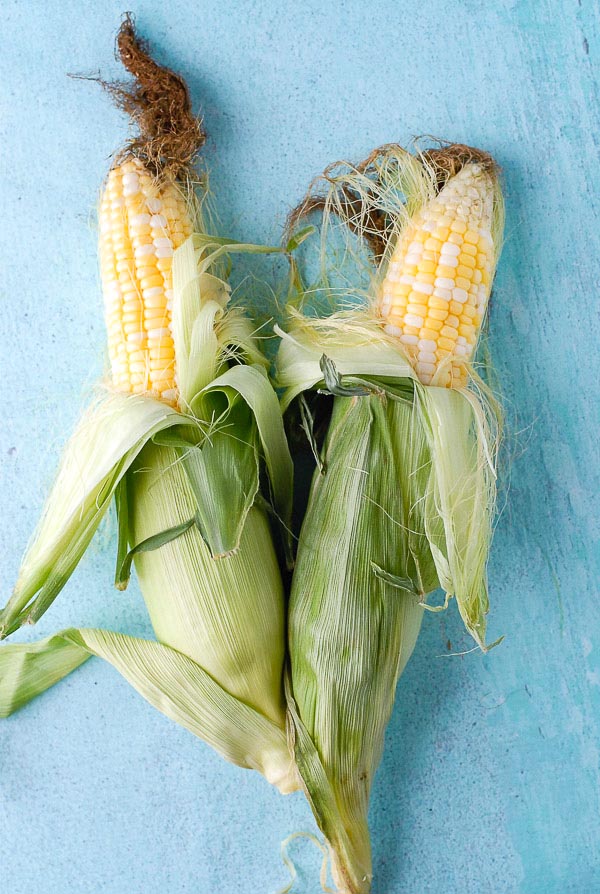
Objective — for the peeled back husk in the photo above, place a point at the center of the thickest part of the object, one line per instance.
(220, 612)
(193, 519)
(351, 630)
(400, 506)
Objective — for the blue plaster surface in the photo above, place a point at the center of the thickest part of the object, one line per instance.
(490, 779)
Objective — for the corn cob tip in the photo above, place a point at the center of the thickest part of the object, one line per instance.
(436, 288)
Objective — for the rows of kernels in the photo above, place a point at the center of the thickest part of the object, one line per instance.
(438, 281)
(141, 224)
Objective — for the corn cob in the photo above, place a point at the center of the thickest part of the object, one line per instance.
(403, 500)
(435, 292)
(179, 440)
(142, 222)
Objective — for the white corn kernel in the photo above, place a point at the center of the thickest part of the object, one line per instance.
(392, 330)
(140, 220)
(424, 287)
(143, 250)
(154, 292)
(154, 204)
(158, 333)
(449, 248)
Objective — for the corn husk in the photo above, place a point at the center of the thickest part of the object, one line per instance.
(193, 521)
(401, 505)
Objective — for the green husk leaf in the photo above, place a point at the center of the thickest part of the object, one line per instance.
(28, 669)
(333, 381)
(394, 580)
(252, 385)
(461, 430)
(227, 614)
(307, 423)
(121, 580)
(205, 336)
(298, 237)
(355, 348)
(244, 423)
(223, 475)
(150, 543)
(167, 679)
(108, 438)
(350, 632)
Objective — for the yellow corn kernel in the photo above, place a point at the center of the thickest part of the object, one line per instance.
(428, 334)
(448, 332)
(438, 303)
(419, 309)
(436, 325)
(446, 272)
(438, 314)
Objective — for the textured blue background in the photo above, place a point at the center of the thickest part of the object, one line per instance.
(490, 780)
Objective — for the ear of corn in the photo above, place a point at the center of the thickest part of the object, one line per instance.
(185, 452)
(403, 501)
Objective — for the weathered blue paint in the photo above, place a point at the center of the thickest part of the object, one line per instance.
(490, 780)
